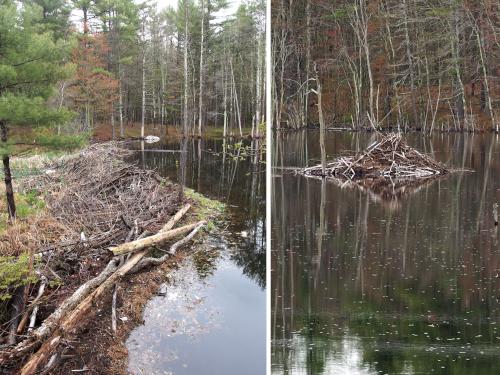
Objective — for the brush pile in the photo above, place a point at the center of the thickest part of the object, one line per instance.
(99, 202)
(100, 197)
(388, 158)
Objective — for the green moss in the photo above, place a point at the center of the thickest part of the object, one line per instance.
(206, 209)
(14, 272)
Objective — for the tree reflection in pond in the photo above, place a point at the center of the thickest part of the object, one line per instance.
(362, 287)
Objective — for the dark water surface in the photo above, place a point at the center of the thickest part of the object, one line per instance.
(363, 283)
(211, 321)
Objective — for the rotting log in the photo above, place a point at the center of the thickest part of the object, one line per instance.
(46, 350)
(158, 238)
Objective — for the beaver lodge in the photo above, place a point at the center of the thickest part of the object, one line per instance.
(102, 217)
(386, 159)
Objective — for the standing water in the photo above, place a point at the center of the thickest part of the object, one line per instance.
(210, 317)
(374, 282)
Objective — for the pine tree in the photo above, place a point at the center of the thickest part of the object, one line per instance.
(30, 64)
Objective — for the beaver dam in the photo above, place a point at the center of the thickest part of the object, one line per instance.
(102, 216)
(388, 158)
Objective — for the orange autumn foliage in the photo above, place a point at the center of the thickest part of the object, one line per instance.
(93, 87)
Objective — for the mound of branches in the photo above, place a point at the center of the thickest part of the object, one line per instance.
(104, 200)
(388, 158)
(108, 213)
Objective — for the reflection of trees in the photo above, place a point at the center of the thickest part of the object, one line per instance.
(239, 182)
(418, 286)
(252, 262)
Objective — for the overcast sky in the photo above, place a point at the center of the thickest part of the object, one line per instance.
(231, 9)
(77, 15)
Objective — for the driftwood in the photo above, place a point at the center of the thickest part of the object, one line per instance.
(158, 238)
(170, 224)
(147, 262)
(75, 317)
(388, 158)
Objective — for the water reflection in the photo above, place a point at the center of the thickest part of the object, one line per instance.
(231, 172)
(364, 287)
(211, 319)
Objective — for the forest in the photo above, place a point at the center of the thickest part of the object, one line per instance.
(119, 64)
(429, 65)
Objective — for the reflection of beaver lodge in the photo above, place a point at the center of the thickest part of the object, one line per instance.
(387, 192)
(389, 158)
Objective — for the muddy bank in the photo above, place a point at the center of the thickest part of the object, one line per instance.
(97, 200)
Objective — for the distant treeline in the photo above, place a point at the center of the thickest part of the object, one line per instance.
(135, 63)
(420, 64)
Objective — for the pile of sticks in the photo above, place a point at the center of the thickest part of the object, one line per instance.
(387, 158)
(113, 213)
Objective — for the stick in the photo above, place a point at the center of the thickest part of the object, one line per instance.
(35, 309)
(113, 311)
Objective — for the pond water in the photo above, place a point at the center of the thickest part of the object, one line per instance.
(211, 319)
(369, 283)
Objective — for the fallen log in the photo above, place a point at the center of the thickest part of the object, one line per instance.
(158, 238)
(170, 224)
(70, 322)
(147, 262)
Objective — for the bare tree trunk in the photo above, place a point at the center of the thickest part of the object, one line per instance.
(237, 103)
(225, 104)
(202, 68)
(258, 84)
(9, 190)
(143, 106)
(360, 25)
(494, 124)
(460, 104)
(411, 66)
(112, 123)
(122, 129)
(321, 122)
(61, 101)
(308, 61)
(186, 73)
